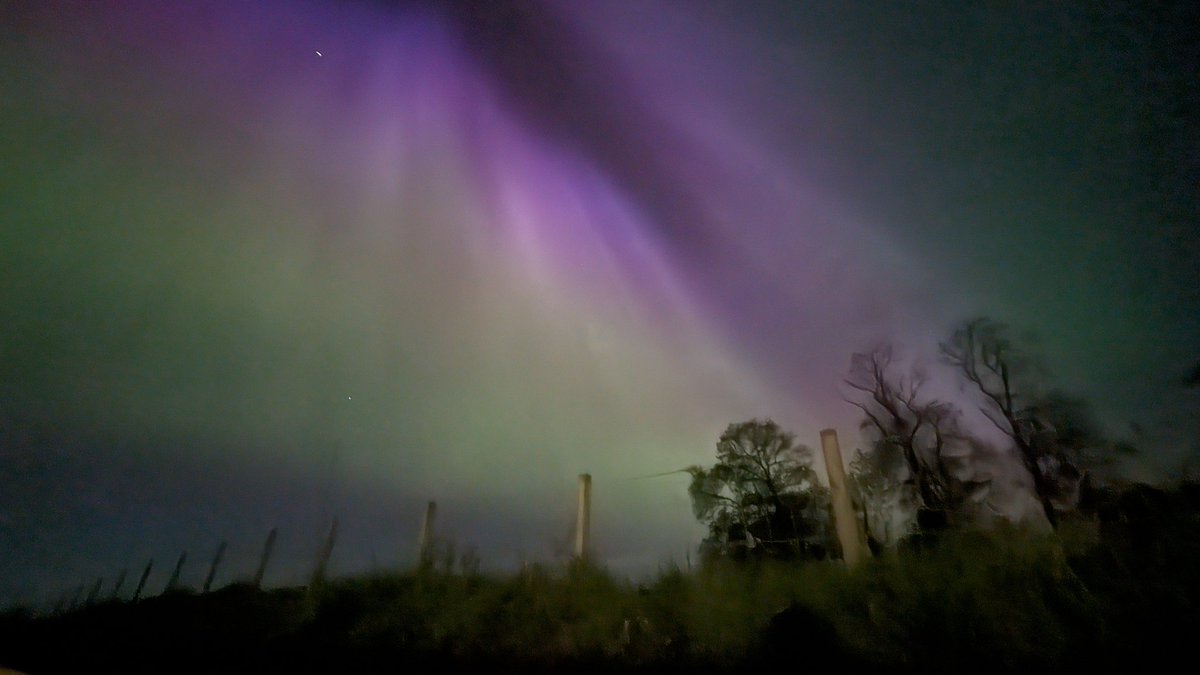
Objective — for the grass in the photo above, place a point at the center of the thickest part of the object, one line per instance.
(1123, 589)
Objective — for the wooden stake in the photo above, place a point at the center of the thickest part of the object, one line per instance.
(844, 519)
(173, 582)
(318, 575)
(583, 523)
(425, 538)
(142, 582)
(94, 593)
(116, 591)
(212, 570)
(266, 556)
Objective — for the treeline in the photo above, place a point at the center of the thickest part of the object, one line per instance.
(928, 466)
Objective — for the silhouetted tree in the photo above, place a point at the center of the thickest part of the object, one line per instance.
(912, 437)
(879, 496)
(761, 497)
(1054, 434)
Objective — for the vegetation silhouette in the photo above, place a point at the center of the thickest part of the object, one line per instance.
(1116, 589)
(922, 459)
(1054, 435)
(761, 497)
(1114, 584)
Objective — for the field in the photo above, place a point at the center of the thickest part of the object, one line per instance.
(1121, 588)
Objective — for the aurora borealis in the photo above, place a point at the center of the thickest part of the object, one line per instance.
(264, 263)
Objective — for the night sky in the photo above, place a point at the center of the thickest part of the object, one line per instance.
(262, 263)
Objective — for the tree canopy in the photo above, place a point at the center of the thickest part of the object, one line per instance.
(1055, 436)
(920, 458)
(922, 454)
(761, 497)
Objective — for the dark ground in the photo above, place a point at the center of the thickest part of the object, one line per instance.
(1116, 590)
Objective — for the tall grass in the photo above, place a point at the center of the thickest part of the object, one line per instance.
(1099, 593)
(1002, 599)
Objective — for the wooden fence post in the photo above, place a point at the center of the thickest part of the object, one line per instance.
(173, 582)
(94, 593)
(212, 570)
(318, 575)
(583, 523)
(137, 593)
(844, 519)
(425, 538)
(266, 556)
(116, 591)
